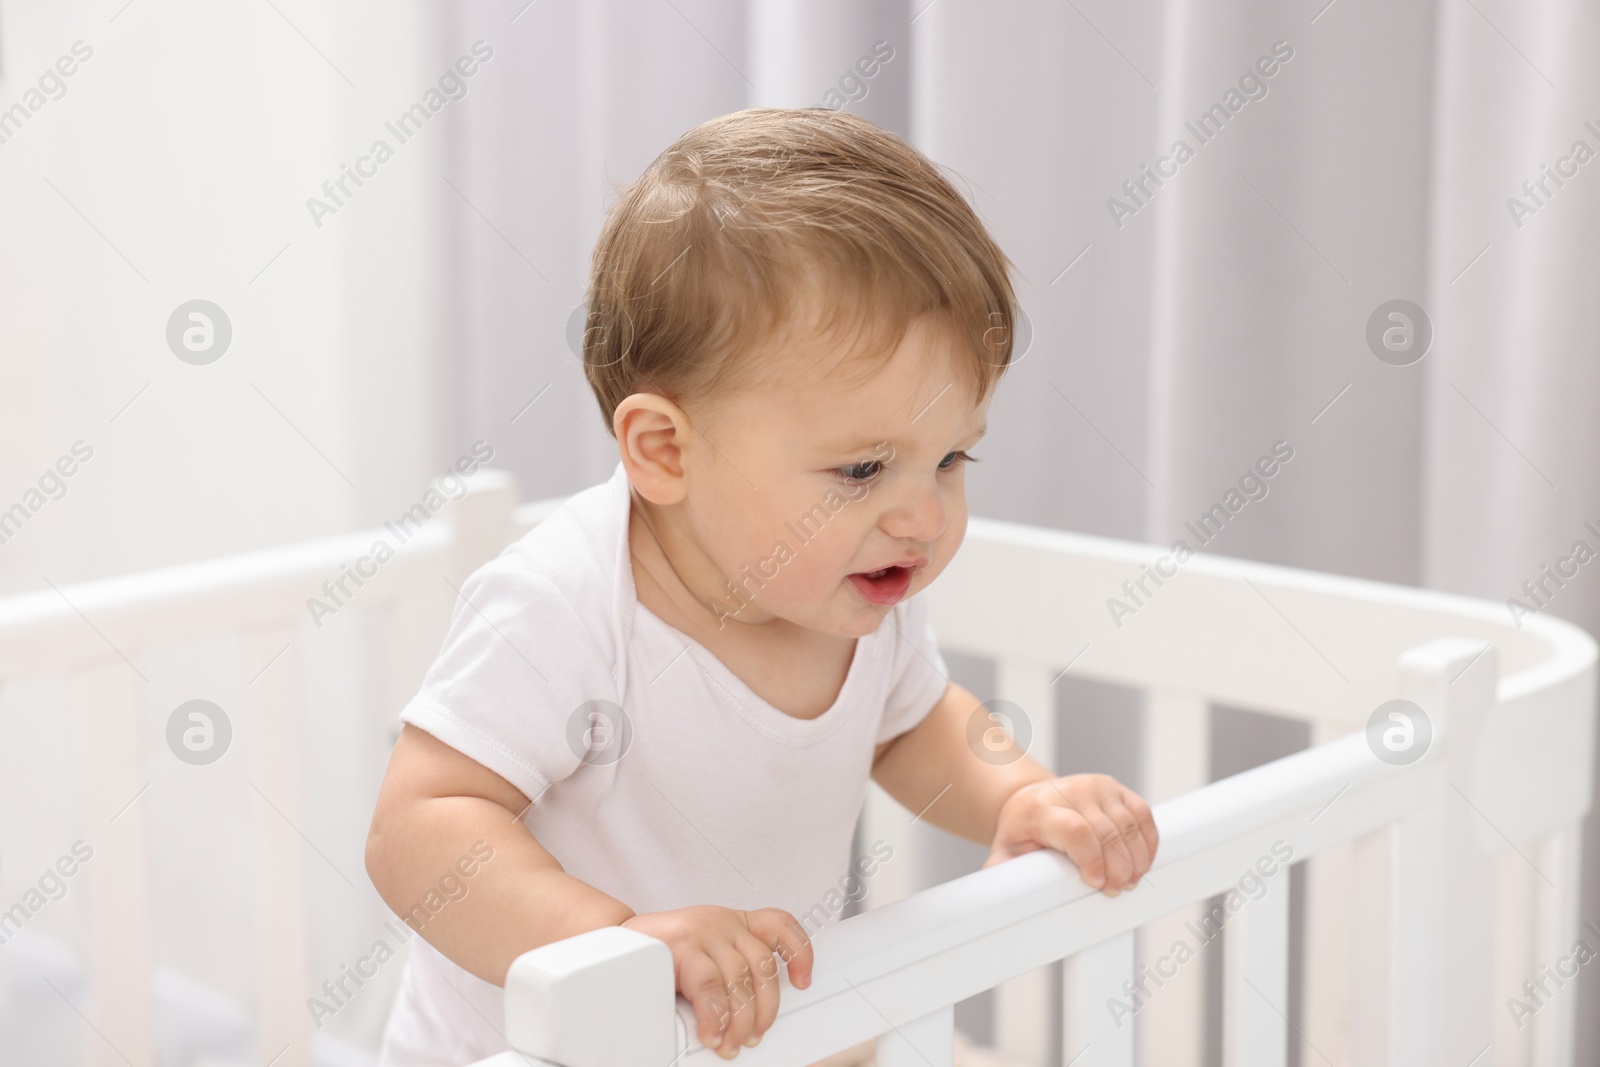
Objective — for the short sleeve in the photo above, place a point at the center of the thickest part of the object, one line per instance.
(919, 676)
(516, 667)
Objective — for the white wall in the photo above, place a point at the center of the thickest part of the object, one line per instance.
(177, 166)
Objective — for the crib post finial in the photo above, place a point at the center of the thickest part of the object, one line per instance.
(605, 998)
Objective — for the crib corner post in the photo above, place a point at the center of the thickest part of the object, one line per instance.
(481, 521)
(1443, 881)
(605, 998)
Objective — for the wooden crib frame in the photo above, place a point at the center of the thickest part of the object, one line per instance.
(1435, 887)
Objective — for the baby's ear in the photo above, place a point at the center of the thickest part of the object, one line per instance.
(651, 431)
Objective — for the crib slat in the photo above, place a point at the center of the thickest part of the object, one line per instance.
(1414, 893)
(1370, 914)
(1024, 1015)
(1560, 858)
(925, 1042)
(883, 819)
(1175, 759)
(1328, 940)
(108, 697)
(283, 1030)
(1024, 1010)
(1028, 686)
(1092, 978)
(1518, 951)
(481, 522)
(1256, 982)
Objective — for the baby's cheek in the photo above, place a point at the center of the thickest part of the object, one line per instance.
(809, 576)
(808, 582)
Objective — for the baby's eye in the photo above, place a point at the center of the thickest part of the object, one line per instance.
(861, 472)
(949, 462)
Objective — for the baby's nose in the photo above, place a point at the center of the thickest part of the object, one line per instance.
(919, 518)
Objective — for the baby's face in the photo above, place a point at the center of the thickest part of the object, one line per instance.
(825, 496)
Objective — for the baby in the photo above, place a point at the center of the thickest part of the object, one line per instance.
(661, 707)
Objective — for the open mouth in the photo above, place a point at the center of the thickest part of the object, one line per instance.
(885, 586)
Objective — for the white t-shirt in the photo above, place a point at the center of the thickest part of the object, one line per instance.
(717, 798)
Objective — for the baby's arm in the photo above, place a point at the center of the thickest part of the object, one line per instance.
(1014, 805)
(436, 804)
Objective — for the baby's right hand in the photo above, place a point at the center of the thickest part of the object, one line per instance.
(726, 963)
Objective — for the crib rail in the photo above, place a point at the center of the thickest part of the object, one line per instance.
(894, 972)
(99, 636)
(1326, 650)
(50, 630)
(1419, 876)
(1320, 647)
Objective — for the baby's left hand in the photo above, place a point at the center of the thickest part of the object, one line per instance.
(1103, 827)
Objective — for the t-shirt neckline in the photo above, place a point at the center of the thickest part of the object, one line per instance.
(761, 713)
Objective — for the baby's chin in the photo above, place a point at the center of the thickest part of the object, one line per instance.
(866, 620)
(843, 615)
(849, 615)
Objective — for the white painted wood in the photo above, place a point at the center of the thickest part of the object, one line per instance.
(1221, 630)
(1407, 921)
(481, 524)
(600, 999)
(1559, 928)
(1255, 998)
(1213, 633)
(272, 719)
(411, 632)
(928, 1041)
(1176, 749)
(1443, 992)
(1025, 1014)
(1516, 955)
(1537, 746)
(1412, 929)
(1024, 1008)
(904, 960)
(1368, 900)
(1329, 936)
(1093, 979)
(41, 633)
(109, 700)
(515, 1059)
(883, 819)
(1175, 758)
(1028, 685)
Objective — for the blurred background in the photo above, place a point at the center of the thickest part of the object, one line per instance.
(368, 316)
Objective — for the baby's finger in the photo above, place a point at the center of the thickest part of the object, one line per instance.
(764, 970)
(1129, 839)
(736, 974)
(1118, 860)
(778, 928)
(1140, 809)
(700, 980)
(1065, 830)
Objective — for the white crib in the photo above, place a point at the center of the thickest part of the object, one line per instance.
(1436, 888)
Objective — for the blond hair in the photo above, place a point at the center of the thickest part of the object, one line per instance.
(710, 251)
